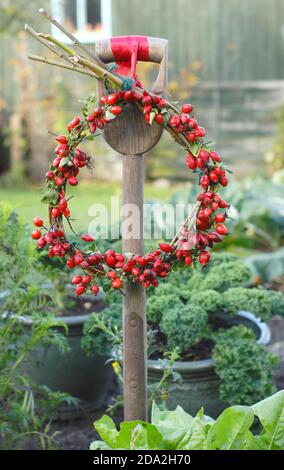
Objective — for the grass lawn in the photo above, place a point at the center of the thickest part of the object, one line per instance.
(26, 200)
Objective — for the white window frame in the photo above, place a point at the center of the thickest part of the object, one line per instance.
(83, 36)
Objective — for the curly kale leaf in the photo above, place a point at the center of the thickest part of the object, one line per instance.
(244, 366)
(256, 301)
(210, 300)
(226, 275)
(277, 301)
(158, 305)
(184, 325)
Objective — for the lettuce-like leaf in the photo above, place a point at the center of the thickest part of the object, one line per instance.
(195, 438)
(270, 413)
(173, 425)
(139, 435)
(99, 445)
(106, 428)
(132, 435)
(231, 429)
(176, 429)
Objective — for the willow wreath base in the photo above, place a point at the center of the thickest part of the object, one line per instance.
(201, 230)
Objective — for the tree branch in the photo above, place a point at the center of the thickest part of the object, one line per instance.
(77, 43)
(43, 41)
(73, 67)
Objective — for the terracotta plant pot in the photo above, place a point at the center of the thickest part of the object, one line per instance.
(200, 383)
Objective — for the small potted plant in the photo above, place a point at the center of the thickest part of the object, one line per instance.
(67, 368)
(217, 322)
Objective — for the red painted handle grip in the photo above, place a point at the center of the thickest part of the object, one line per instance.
(127, 50)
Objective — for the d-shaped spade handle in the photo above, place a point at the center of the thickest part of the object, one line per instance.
(126, 51)
(130, 49)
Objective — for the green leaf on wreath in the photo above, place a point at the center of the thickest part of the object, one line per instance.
(152, 117)
(64, 161)
(194, 148)
(109, 115)
(50, 197)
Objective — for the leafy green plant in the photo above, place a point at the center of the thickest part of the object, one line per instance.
(161, 302)
(102, 332)
(245, 367)
(177, 430)
(255, 300)
(224, 275)
(26, 409)
(183, 325)
(201, 305)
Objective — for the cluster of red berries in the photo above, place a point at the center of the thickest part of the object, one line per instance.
(146, 270)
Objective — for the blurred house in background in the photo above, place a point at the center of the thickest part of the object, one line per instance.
(228, 53)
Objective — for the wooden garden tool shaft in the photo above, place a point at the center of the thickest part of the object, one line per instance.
(134, 310)
(129, 135)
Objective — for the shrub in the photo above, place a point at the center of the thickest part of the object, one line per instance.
(195, 281)
(210, 300)
(180, 276)
(256, 300)
(221, 258)
(158, 304)
(163, 289)
(26, 408)
(244, 366)
(226, 275)
(277, 301)
(183, 325)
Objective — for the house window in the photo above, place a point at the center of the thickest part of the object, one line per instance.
(88, 20)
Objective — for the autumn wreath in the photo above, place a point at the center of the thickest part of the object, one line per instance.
(201, 230)
(203, 227)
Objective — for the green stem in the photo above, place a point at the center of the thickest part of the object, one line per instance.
(58, 43)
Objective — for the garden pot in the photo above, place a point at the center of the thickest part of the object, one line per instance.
(86, 378)
(200, 384)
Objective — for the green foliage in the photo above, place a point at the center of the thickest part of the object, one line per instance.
(163, 289)
(26, 409)
(102, 332)
(158, 304)
(226, 275)
(244, 366)
(270, 413)
(177, 430)
(180, 277)
(194, 282)
(209, 300)
(184, 325)
(220, 258)
(185, 313)
(277, 302)
(159, 391)
(256, 300)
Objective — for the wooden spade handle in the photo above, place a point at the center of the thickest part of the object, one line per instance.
(131, 136)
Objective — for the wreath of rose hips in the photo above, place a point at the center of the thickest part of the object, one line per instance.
(200, 231)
